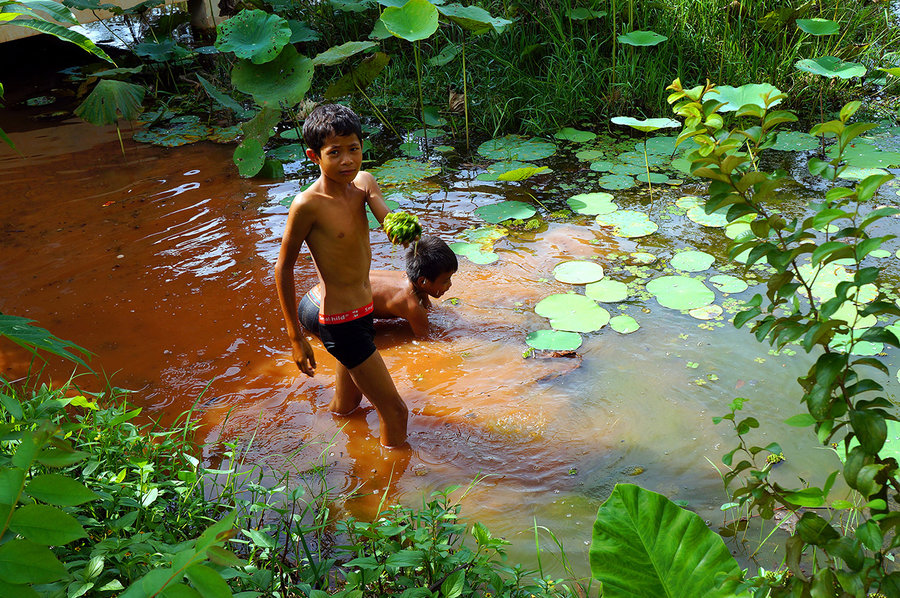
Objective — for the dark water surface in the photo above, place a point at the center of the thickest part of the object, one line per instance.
(161, 262)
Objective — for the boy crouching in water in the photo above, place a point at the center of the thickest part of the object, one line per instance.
(330, 217)
(430, 264)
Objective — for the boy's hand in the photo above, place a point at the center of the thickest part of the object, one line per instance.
(304, 358)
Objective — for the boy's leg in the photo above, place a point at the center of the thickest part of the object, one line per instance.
(373, 379)
(346, 394)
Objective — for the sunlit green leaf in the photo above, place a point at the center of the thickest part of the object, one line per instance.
(818, 26)
(415, 20)
(254, 35)
(111, 100)
(553, 340)
(641, 38)
(829, 66)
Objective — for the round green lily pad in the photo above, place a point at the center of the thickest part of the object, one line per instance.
(474, 252)
(497, 168)
(688, 201)
(642, 258)
(715, 220)
(177, 135)
(879, 253)
(706, 312)
(553, 340)
(841, 342)
(680, 292)
(737, 229)
(288, 153)
(692, 261)
(403, 171)
(818, 26)
(505, 210)
(662, 145)
(254, 35)
(516, 147)
(607, 291)
(570, 134)
(648, 124)
(830, 66)
(589, 155)
(642, 38)
(616, 182)
(572, 312)
(796, 141)
(627, 170)
(628, 223)
(578, 272)
(728, 283)
(624, 324)
(601, 166)
(592, 204)
(653, 177)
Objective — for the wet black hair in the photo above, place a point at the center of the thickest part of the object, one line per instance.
(329, 119)
(429, 257)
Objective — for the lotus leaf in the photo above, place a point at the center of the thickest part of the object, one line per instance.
(474, 252)
(473, 18)
(653, 177)
(850, 314)
(223, 99)
(578, 272)
(496, 169)
(715, 220)
(109, 99)
(224, 134)
(505, 210)
(829, 66)
(616, 182)
(857, 173)
(584, 14)
(607, 291)
(728, 283)
(589, 155)
(879, 253)
(300, 32)
(692, 261)
(289, 153)
(642, 38)
(751, 93)
(737, 229)
(818, 26)
(485, 236)
(688, 201)
(411, 149)
(828, 276)
(628, 223)
(338, 54)
(592, 204)
(864, 155)
(415, 20)
(641, 159)
(642, 258)
(174, 136)
(373, 222)
(707, 312)
(516, 147)
(447, 54)
(624, 324)
(575, 135)
(795, 141)
(553, 340)
(626, 170)
(351, 5)
(520, 174)
(572, 312)
(403, 171)
(601, 166)
(254, 34)
(661, 145)
(841, 342)
(646, 125)
(249, 157)
(281, 82)
(680, 292)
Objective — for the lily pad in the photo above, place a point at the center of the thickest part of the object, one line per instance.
(626, 170)
(616, 182)
(818, 26)
(415, 20)
(602, 166)
(553, 340)
(715, 220)
(688, 201)
(751, 93)
(505, 210)
(254, 34)
(841, 342)
(520, 174)
(653, 177)
(680, 292)
(624, 324)
(707, 312)
(728, 283)
(831, 67)
(288, 153)
(646, 125)
(575, 135)
(866, 156)
(474, 252)
(493, 171)
(516, 147)
(578, 272)
(628, 223)
(642, 258)
(403, 171)
(662, 145)
(572, 312)
(641, 38)
(692, 261)
(174, 136)
(590, 155)
(607, 291)
(796, 141)
(592, 204)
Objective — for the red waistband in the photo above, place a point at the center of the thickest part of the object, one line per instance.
(347, 316)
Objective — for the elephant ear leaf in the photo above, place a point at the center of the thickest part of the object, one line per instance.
(644, 545)
(109, 99)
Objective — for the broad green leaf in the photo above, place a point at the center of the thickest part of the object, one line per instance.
(572, 312)
(405, 558)
(300, 32)
(553, 340)
(505, 210)
(641, 38)
(645, 546)
(254, 35)
(751, 93)
(17, 590)
(473, 18)
(520, 174)
(818, 26)
(416, 20)
(475, 252)
(870, 428)
(281, 82)
(807, 497)
(359, 78)
(338, 54)
(646, 125)
(223, 99)
(22, 332)
(208, 582)
(516, 147)
(22, 561)
(628, 223)
(11, 482)
(829, 66)
(59, 490)
(692, 261)
(43, 524)
(403, 171)
(728, 284)
(624, 324)
(64, 34)
(607, 291)
(578, 272)
(680, 292)
(592, 204)
(249, 157)
(109, 99)
(575, 135)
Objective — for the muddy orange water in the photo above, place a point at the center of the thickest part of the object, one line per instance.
(161, 263)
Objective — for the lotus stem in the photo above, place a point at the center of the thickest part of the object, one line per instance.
(465, 94)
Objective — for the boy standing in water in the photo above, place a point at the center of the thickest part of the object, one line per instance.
(430, 264)
(330, 217)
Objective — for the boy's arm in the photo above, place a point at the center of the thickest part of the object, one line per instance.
(295, 232)
(417, 318)
(367, 183)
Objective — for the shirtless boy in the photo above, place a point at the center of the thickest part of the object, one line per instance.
(429, 266)
(330, 217)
